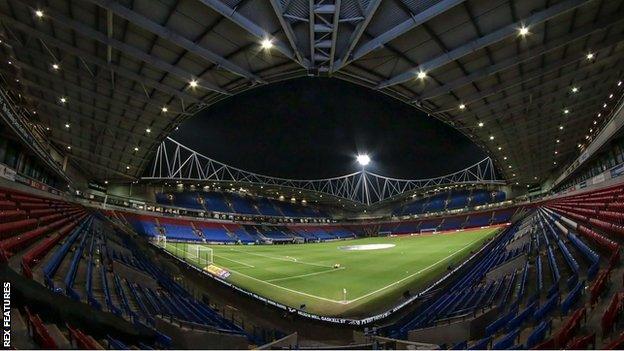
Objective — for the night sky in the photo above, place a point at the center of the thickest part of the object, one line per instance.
(313, 127)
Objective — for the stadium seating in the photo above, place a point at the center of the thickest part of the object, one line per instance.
(571, 244)
(449, 200)
(235, 203)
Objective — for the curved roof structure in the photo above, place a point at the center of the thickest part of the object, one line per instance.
(112, 79)
(176, 162)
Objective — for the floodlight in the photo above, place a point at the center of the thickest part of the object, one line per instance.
(363, 159)
(266, 44)
(522, 31)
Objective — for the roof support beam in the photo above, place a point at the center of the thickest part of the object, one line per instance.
(82, 90)
(334, 36)
(311, 32)
(100, 166)
(127, 49)
(80, 116)
(71, 136)
(547, 103)
(527, 55)
(401, 28)
(357, 33)
(251, 27)
(496, 89)
(481, 111)
(175, 38)
(487, 40)
(290, 35)
(98, 81)
(94, 59)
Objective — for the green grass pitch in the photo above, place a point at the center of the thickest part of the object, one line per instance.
(374, 279)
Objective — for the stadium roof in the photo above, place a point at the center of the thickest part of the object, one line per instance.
(502, 72)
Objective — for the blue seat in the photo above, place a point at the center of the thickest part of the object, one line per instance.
(538, 334)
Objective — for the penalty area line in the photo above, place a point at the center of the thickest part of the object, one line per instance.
(306, 275)
(284, 288)
(289, 259)
(235, 261)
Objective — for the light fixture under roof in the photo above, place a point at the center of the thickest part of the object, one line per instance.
(462, 106)
(524, 30)
(127, 167)
(66, 125)
(164, 109)
(266, 44)
(147, 130)
(558, 140)
(55, 66)
(560, 127)
(136, 148)
(39, 13)
(63, 99)
(421, 75)
(610, 96)
(193, 83)
(575, 89)
(480, 124)
(68, 147)
(566, 111)
(589, 56)
(491, 137)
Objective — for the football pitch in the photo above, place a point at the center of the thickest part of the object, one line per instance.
(351, 278)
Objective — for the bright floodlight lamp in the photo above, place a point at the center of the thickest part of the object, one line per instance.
(266, 44)
(363, 160)
(523, 31)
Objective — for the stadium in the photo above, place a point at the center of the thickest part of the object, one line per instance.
(312, 174)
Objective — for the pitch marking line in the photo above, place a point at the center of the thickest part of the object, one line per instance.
(306, 275)
(411, 275)
(290, 259)
(235, 261)
(342, 302)
(284, 288)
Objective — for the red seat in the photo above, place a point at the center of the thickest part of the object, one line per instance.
(9, 228)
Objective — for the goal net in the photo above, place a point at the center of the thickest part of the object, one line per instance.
(199, 254)
(428, 231)
(161, 241)
(196, 254)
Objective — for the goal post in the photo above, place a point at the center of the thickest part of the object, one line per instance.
(161, 241)
(199, 254)
(196, 254)
(428, 231)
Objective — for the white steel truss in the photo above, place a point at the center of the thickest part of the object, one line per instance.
(175, 161)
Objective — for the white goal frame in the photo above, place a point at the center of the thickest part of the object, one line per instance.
(193, 251)
(429, 230)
